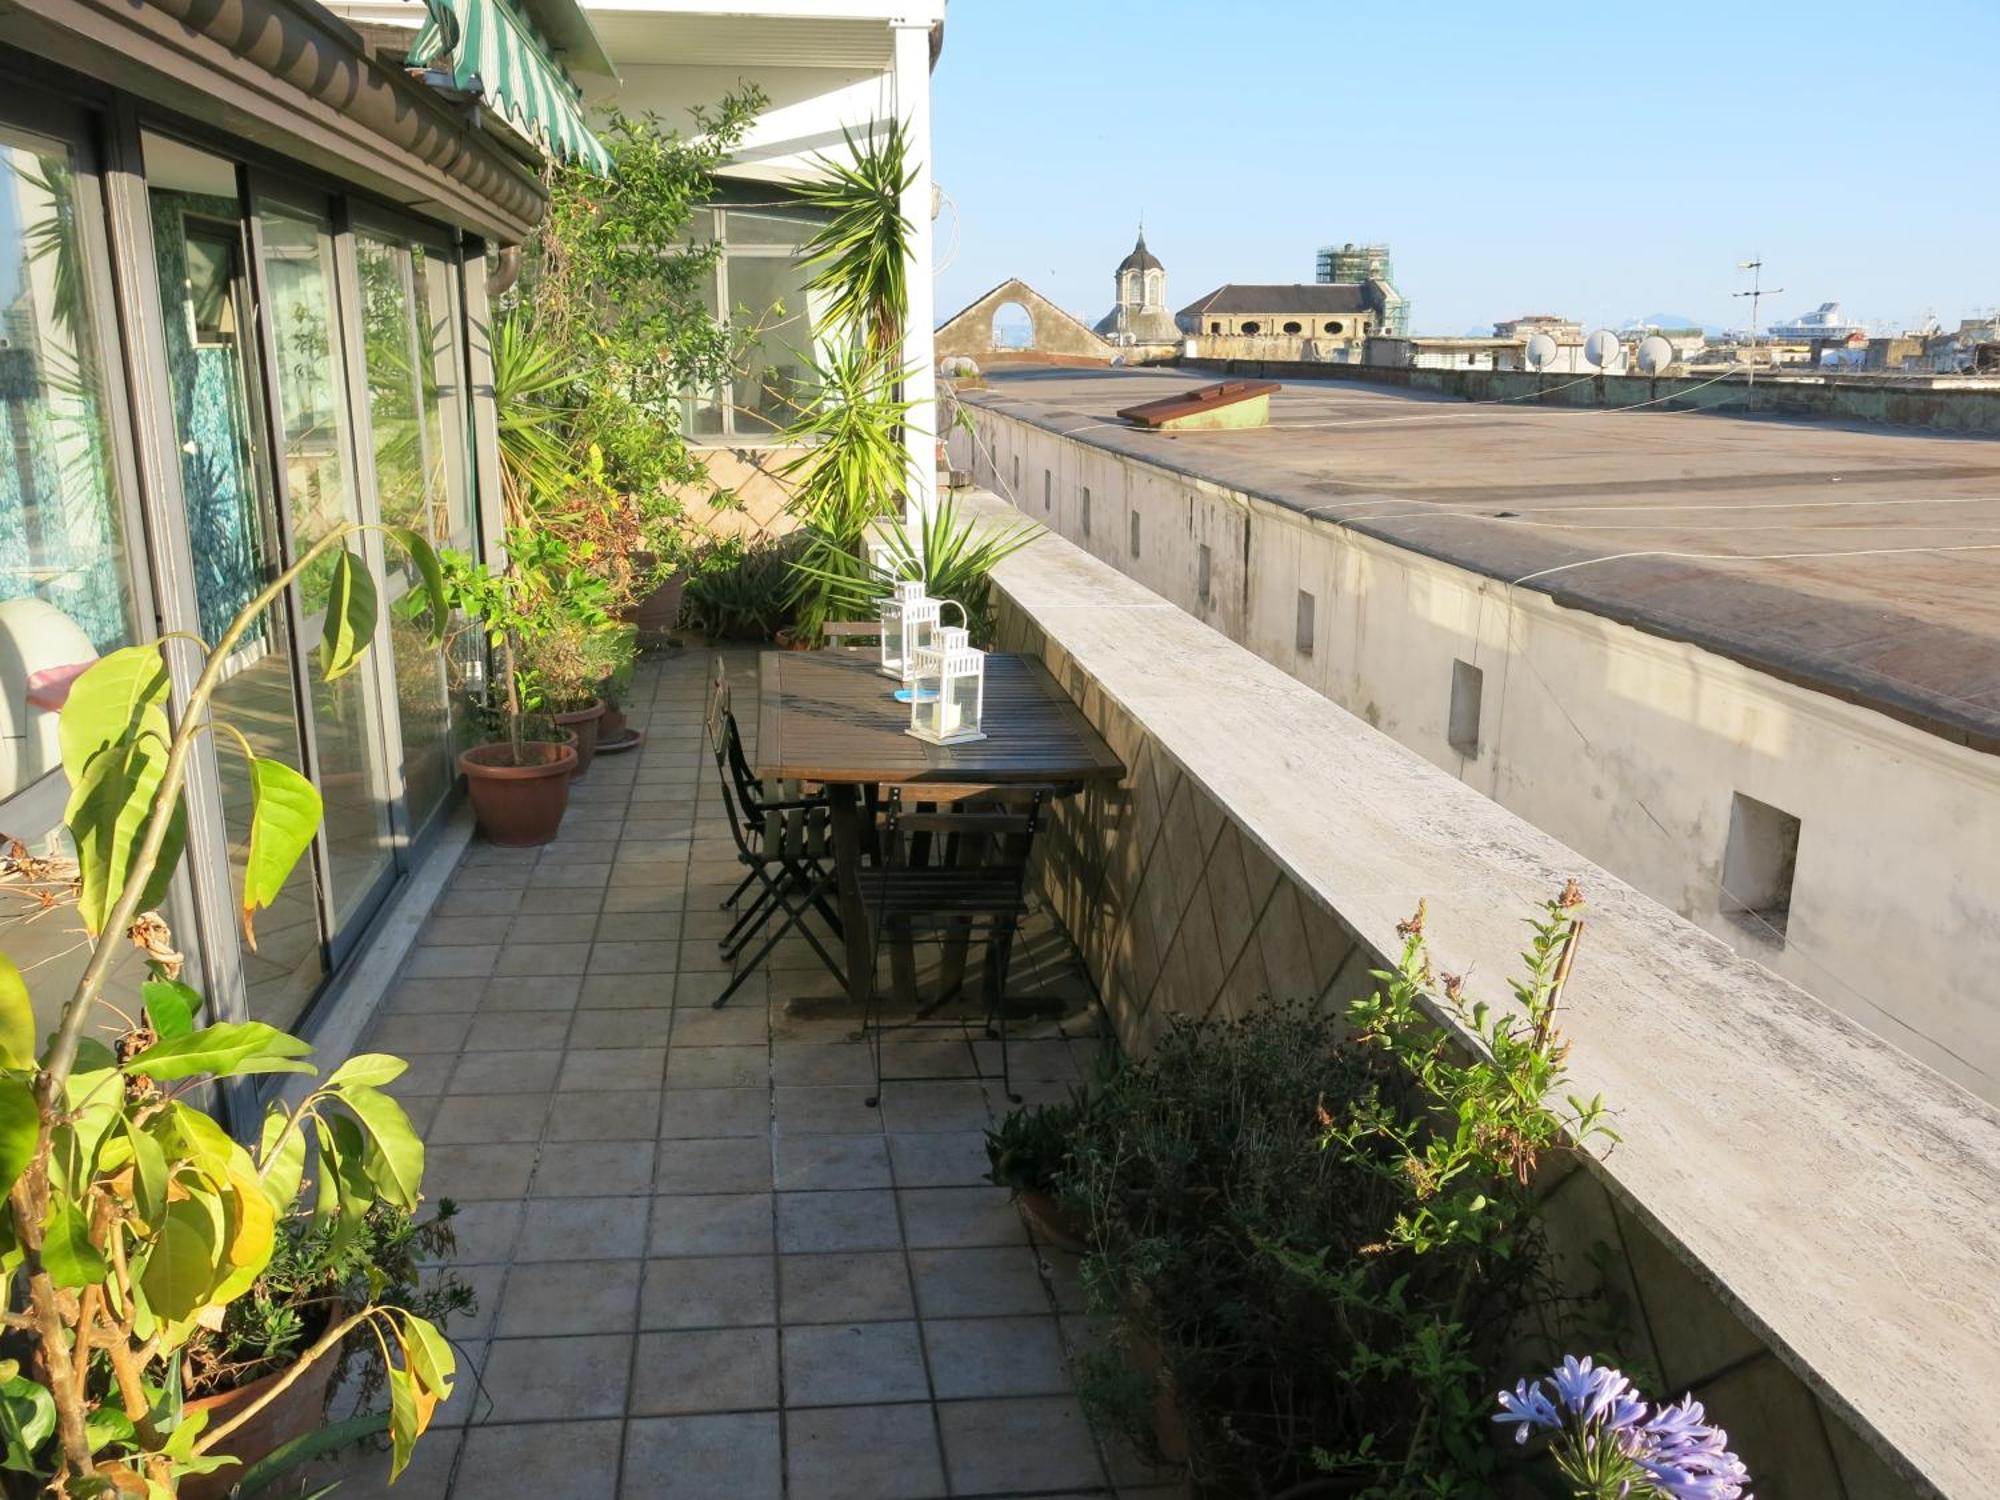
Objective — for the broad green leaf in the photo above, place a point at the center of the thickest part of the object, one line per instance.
(426, 558)
(17, 1018)
(67, 1253)
(285, 1167)
(149, 1173)
(27, 1419)
(326, 1201)
(357, 1187)
(285, 811)
(201, 1143)
(405, 1426)
(225, 1049)
(121, 698)
(370, 1068)
(350, 616)
(395, 1157)
(428, 1355)
(249, 1234)
(181, 1267)
(108, 815)
(107, 1424)
(20, 1122)
(170, 1007)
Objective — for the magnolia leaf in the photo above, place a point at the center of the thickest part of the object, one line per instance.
(106, 1424)
(17, 1018)
(198, 1142)
(426, 559)
(249, 1236)
(350, 616)
(357, 1187)
(405, 1425)
(370, 1068)
(149, 1173)
(109, 813)
(228, 1048)
(67, 1253)
(180, 1269)
(285, 1167)
(428, 1356)
(395, 1157)
(170, 1007)
(121, 698)
(285, 811)
(20, 1123)
(326, 1202)
(27, 1420)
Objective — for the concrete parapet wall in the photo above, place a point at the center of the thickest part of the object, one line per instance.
(1798, 1215)
(1934, 402)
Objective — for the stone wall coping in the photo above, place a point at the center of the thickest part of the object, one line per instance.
(1843, 1199)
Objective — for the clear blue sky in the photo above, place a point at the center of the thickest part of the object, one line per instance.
(1594, 158)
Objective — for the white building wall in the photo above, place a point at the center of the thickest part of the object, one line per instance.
(1626, 746)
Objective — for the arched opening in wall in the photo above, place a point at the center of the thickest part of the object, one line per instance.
(1336, 327)
(1013, 327)
(1253, 326)
(1294, 326)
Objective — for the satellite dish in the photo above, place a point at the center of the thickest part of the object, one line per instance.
(1541, 351)
(1602, 349)
(1655, 354)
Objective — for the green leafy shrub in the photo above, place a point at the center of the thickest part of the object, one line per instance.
(1323, 1231)
(1028, 1149)
(740, 591)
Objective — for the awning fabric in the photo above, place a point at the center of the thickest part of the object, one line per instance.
(494, 50)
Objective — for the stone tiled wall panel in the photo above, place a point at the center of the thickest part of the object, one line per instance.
(1176, 912)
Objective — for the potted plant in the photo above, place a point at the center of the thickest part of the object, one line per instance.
(519, 781)
(1026, 1153)
(134, 1220)
(613, 732)
(315, 1274)
(564, 666)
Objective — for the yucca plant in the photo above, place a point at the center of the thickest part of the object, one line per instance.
(533, 411)
(859, 259)
(954, 554)
(853, 469)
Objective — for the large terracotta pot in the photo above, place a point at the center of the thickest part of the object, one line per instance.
(658, 613)
(519, 806)
(1052, 1222)
(298, 1410)
(583, 723)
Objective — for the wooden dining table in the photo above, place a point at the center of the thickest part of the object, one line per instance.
(831, 718)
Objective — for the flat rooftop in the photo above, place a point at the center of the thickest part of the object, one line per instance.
(1859, 561)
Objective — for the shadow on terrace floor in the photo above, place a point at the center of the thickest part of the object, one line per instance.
(705, 1267)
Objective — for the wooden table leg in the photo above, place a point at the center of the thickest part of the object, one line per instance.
(845, 811)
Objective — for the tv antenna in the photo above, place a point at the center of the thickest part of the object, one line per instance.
(1757, 293)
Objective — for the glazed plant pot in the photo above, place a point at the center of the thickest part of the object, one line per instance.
(519, 806)
(298, 1410)
(583, 723)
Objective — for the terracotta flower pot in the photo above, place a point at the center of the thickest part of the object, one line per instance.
(583, 723)
(519, 806)
(299, 1409)
(658, 613)
(1051, 1222)
(613, 722)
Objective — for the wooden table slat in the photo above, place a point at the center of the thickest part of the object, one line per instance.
(829, 716)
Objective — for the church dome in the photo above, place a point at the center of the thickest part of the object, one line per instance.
(1141, 259)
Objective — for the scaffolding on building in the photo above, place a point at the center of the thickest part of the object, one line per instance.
(1356, 265)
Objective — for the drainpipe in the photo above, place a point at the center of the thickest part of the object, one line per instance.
(506, 271)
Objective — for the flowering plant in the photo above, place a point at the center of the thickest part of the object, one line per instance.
(1612, 1446)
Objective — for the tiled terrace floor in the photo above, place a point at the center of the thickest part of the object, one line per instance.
(705, 1267)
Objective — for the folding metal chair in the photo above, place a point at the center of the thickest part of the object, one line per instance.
(784, 841)
(977, 888)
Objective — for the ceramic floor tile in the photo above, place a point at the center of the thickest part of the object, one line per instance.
(864, 1453)
(859, 1220)
(709, 1292)
(853, 1364)
(714, 1369)
(734, 1454)
(548, 1460)
(712, 1224)
(540, 1379)
(849, 1286)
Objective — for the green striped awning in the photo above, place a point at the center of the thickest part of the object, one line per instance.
(494, 50)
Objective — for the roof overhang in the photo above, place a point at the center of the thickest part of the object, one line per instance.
(854, 35)
(296, 79)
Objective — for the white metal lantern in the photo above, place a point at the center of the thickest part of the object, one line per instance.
(948, 690)
(907, 618)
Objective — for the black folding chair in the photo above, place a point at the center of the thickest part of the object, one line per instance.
(784, 841)
(961, 874)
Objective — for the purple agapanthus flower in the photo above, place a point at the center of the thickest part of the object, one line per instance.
(1602, 1430)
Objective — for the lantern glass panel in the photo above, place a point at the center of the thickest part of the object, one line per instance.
(960, 704)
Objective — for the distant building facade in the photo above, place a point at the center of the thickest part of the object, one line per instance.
(1323, 322)
(1362, 265)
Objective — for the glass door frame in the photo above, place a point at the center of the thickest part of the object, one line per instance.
(374, 675)
(364, 217)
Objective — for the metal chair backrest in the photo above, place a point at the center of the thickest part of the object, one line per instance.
(994, 886)
(725, 741)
